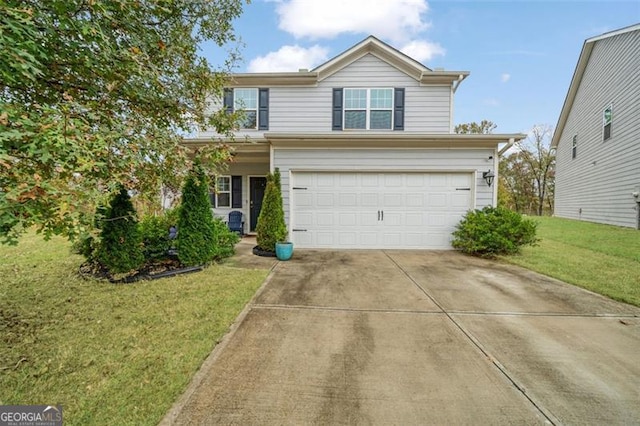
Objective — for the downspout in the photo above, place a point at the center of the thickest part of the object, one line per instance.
(457, 82)
(454, 87)
(506, 147)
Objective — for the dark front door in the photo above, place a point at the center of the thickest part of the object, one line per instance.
(256, 188)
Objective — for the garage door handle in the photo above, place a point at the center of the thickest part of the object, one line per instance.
(463, 189)
(299, 230)
(382, 214)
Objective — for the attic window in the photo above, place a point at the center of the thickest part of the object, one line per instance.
(607, 119)
(574, 146)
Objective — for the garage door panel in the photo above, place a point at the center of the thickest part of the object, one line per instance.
(378, 210)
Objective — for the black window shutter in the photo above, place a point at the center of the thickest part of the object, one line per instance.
(337, 110)
(236, 192)
(398, 109)
(212, 198)
(263, 109)
(228, 100)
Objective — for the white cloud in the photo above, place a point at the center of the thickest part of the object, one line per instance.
(505, 77)
(421, 50)
(395, 20)
(289, 58)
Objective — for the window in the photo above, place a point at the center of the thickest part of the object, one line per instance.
(607, 119)
(253, 102)
(574, 146)
(368, 109)
(247, 100)
(223, 191)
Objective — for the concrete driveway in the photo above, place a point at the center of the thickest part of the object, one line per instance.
(419, 337)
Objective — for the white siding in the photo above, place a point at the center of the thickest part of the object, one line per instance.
(415, 160)
(597, 184)
(308, 109)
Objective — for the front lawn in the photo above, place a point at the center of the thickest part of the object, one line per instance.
(601, 258)
(109, 354)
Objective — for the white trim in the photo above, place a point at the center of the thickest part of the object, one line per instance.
(217, 192)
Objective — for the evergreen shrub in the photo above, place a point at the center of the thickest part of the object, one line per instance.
(494, 231)
(271, 227)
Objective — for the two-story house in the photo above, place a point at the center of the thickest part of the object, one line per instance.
(597, 138)
(366, 150)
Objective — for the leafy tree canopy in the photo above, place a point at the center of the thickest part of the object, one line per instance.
(96, 93)
(484, 127)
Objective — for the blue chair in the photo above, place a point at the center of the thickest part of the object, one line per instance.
(235, 223)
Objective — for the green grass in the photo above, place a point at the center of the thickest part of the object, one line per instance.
(601, 258)
(110, 354)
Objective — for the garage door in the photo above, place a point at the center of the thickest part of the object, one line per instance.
(377, 210)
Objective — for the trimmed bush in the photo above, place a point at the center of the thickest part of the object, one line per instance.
(196, 240)
(225, 239)
(155, 237)
(271, 227)
(494, 231)
(120, 247)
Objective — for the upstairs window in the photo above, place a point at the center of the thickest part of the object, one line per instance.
(574, 146)
(368, 109)
(607, 119)
(247, 101)
(254, 103)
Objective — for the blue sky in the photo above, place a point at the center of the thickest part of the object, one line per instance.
(521, 54)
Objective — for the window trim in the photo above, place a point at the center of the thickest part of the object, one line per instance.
(218, 191)
(368, 109)
(605, 123)
(244, 107)
(574, 147)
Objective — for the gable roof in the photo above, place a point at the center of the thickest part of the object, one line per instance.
(583, 60)
(370, 45)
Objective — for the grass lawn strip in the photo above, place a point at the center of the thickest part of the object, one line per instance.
(601, 258)
(110, 354)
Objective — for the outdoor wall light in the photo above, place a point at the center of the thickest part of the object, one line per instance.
(488, 177)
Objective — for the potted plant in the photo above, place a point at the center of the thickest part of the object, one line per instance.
(271, 230)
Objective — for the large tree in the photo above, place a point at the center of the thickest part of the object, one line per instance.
(97, 93)
(528, 173)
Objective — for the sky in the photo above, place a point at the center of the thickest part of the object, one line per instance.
(521, 54)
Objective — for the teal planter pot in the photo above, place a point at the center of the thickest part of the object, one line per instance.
(284, 251)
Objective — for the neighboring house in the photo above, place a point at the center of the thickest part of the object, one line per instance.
(366, 149)
(597, 139)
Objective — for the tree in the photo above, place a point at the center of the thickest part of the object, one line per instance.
(485, 127)
(528, 173)
(98, 92)
(196, 241)
(271, 227)
(120, 247)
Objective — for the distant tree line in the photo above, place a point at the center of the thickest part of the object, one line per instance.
(526, 181)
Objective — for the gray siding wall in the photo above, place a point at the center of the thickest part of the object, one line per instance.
(423, 160)
(597, 185)
(308, 109)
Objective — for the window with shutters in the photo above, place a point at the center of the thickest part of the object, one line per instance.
(368, 109)
(254, 103)
(223, 191)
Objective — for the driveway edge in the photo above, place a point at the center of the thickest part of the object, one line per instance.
(210, 360)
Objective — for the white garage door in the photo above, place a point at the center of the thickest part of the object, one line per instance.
(377, 210)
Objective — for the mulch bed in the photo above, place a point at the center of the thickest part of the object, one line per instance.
(264, 253)
(151, 271)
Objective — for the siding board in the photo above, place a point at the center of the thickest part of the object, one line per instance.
(597, 185)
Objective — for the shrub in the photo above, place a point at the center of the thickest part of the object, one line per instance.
(120, 247)
(493, 231)
(155, 236)
(196, 241)
(271, 227)
(225, 239)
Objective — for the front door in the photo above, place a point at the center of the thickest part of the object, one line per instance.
(256, 189)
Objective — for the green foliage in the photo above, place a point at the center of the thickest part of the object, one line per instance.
(225, 239)
(196, 240)
(493, 231)
(155, 236)
(120, 248)
(484, 127)
(271, 227)
(97, 92)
